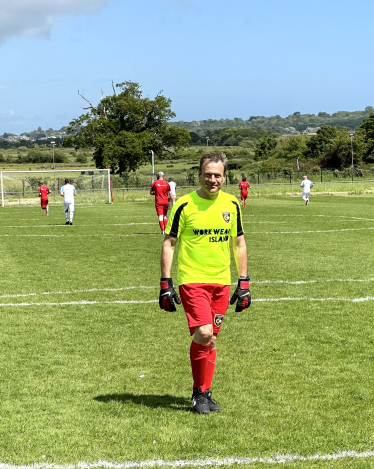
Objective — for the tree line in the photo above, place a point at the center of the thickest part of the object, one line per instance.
(330, 148)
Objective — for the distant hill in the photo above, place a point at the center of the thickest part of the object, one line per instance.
(294, 124)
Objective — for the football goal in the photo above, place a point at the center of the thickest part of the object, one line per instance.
(21, 187)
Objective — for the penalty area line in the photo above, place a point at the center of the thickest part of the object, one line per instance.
(125, 302)
(230, 461)
(153, 287)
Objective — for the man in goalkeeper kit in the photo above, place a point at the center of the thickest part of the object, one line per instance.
(204, 222)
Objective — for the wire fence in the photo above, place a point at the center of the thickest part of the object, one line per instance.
(141, 194)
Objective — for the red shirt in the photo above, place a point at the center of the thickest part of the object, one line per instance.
(244, 186)
(161, 189)
(44, 191)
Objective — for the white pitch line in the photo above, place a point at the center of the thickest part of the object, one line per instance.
(230, 461)
(156, 234)
(302, 282)
(309, 231)
(78, 303)
(141, 287)
(120, 302)
(85, 226)
(31, 235)
(90, 290)
(80, 235)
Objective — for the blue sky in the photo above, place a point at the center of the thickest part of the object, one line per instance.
(214, 59)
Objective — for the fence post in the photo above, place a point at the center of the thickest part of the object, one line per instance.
(321, 178)
(258, 177)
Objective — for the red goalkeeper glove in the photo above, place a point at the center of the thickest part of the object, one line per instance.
(168, 295)
(242, 295)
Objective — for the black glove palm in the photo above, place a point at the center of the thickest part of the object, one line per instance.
(168, 295)
(242, 295)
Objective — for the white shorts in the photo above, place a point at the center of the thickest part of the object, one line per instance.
(305, 195)
(69, 206)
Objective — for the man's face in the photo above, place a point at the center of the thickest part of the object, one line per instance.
(212, 177)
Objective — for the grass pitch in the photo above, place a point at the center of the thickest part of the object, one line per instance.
(92, 369)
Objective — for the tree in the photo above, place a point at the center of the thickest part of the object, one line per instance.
(124, 127)
(367, 128)
(318, 144)
(339, 153)
(293, 147)
(264, 147)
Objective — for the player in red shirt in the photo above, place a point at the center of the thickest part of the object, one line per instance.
(244, 186)
(43, 194)
(161, 190)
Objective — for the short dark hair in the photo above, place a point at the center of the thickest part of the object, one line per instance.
(213, 158)
(67, 181)
(40, 183)
(244, 178)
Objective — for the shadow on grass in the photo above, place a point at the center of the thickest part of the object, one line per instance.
(148, 400)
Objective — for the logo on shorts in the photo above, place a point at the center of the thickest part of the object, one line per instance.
(226, 216)
(218, 318)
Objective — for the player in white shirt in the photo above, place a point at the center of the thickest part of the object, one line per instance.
(173, 194)
(306, 185)
(68, 192)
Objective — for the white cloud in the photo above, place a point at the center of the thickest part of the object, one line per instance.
(12, 113)
(37, 17)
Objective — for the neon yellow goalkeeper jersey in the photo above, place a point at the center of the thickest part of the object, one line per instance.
(204, 228)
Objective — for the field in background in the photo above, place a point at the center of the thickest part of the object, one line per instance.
(93, 369)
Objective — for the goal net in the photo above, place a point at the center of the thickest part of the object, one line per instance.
(22, 187)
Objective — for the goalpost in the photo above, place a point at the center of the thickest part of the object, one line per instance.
(21, 187)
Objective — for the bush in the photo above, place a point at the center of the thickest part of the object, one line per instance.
(231, 166)
(81, 158)
(2, 159)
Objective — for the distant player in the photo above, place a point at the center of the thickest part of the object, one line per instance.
(161, 190)
(173, 194)
(306, 185)
(68, 192)
(244, 186)
(43, 194)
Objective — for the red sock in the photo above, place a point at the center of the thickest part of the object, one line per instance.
(161, 223)
(199, 359)
(165, 223)
(245, 203)
(210, 368)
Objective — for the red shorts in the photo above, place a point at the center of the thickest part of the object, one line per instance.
(162, 209)
(204, 303)
(243, 195)
(44, 203)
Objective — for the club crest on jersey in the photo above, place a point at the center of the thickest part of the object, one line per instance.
(226, 216)
(218, 318)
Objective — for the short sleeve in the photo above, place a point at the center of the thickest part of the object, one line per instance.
(177, 221)
(236, 221)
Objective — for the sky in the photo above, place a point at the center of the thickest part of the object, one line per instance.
(213, 58)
